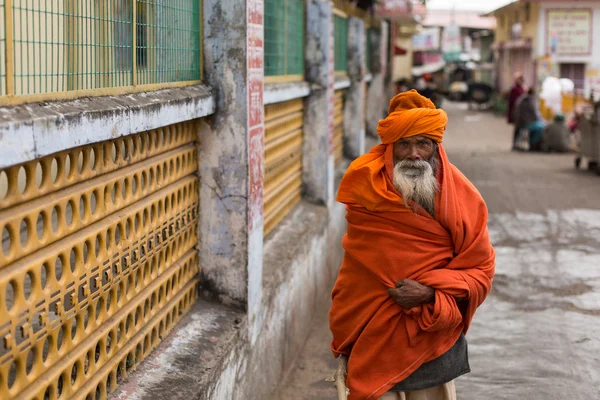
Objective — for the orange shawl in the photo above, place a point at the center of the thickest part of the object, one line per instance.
(386, 242)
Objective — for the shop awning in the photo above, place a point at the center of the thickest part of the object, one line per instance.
(399, 51)
(428, 68)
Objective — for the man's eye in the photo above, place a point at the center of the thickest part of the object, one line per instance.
(404, 144)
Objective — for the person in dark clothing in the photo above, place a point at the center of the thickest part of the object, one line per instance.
(527, 116)
(516, 92)
(556, 136)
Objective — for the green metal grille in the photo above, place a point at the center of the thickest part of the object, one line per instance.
(284, 37)
(340, 28)
(168, 41)
(368, 49)
(63, 46)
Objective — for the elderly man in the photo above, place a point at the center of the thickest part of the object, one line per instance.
(418, 261)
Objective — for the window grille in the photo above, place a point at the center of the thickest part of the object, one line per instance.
(284, 40)
(283, 160)
(65, 49)
(340, 28)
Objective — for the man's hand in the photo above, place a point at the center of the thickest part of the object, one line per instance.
(409, 294)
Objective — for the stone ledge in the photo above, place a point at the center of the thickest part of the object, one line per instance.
(279, 92)
(190, 358)
(342, 82)
(31, 131)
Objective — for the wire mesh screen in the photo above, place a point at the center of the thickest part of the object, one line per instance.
(61, 46)
(168, 41)
(284, 37)
(340, 28)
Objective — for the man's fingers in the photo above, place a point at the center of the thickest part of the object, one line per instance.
(400, 283)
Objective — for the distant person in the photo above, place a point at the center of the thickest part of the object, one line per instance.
(556, 136)
(527, 116)
(517, 90)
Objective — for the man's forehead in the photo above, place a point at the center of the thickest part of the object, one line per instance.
(414, 138)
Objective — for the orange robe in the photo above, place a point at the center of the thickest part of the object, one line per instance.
(386, 242)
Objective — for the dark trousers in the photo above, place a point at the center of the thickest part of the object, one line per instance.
(515, 135)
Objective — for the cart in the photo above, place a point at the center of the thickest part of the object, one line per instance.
(589, 148)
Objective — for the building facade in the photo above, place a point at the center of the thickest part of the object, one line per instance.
(548, 37)
(167, 189)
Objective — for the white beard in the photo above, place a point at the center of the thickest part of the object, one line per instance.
(416, 181)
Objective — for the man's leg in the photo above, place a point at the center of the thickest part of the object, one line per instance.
(443, 392)
(392, 396)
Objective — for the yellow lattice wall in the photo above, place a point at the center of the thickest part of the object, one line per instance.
(98, 261)
(283, 160)
(338, 120)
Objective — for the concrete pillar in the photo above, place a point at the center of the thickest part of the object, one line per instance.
(317, 151)
(376, 98)
(354, 121)
(231, 156)
(392, 35)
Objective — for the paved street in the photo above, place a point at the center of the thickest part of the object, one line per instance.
(536, 336)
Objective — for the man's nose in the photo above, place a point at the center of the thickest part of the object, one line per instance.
(414, 153)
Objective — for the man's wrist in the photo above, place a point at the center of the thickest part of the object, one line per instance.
(431, 297)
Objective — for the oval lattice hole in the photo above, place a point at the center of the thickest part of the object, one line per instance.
(3, 185)
(68, 166)
(69, 213)
(45, 271)
(30, 360)
(59, 386)
(10, 295)
(22, 180)
(86, 363)
(74, 374)
(28, 283)
(59, 339)
(93, 203)
(134, 185)
(46, 349)
(58, 268)
(97, 353)
(39, 226)
(54, 219)
(92, 159)
(24, 231)
(39, 174)
(81, 208)
(54, 170)
(73, 329)
(73, 260)
(80, 162)
(12, 374)
(6, 241)
(113, 152)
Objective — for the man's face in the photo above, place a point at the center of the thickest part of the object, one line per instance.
(415, 148)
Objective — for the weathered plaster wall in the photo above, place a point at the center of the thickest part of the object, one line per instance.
(223, 155)
(354, 116)
(376, 102)
(317, 150)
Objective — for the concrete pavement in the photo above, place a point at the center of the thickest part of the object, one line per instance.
(536, 335)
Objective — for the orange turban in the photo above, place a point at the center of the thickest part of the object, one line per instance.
(411, 114)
